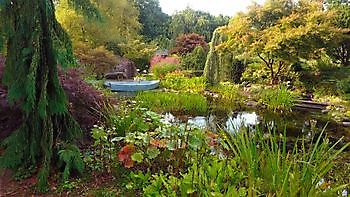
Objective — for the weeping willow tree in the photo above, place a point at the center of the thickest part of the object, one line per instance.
(36, 43)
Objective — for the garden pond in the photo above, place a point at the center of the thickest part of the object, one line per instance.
(298, 124)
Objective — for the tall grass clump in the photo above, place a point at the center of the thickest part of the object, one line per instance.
(271, 169)
(277, 99)
(188, 103)
(180, 82)
(255, 164)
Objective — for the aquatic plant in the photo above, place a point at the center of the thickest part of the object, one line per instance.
(256, 164)
(277, 98)
(186, 103)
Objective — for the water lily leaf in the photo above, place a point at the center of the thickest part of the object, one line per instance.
(152, 152)
(138, 157)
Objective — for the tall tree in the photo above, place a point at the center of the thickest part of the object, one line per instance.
(36, 43)
(280, 33)
(191, 21)
(119, 22)
(339, 46)
(153, 19)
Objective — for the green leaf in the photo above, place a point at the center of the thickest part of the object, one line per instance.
(152, 152)
(171, 145)
(138, 157)
(194, 142)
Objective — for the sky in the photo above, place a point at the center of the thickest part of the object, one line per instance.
(215, 7)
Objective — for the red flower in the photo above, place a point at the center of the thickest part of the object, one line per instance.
(213, 138)
(124, 155)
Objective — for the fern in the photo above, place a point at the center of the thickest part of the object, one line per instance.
(71, 159)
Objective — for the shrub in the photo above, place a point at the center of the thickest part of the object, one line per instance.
(179, 81)
(194, 60)
(98, 61)
(161, 69)
(229, 96)
(344, 87)
(128, 67)
(277, 98)
(84, 101)
(184, 103)
(186, 43)
(162, 59)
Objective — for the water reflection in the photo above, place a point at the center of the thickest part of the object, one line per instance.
(296, 125)
(241, 119)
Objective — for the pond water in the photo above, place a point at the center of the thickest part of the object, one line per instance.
(297, 124)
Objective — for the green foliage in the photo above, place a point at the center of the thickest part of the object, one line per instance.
(344, 87)
(153, 20)
(180, 82)
(35, 43)
(71, 159)
(339, 47)
(211, 70)
(277, 98)
(280, 171)
(139, 52)
(194, 60)
(257, 164)
(102, 156)
(113, 27)
(191, 21)
(280, 33)
(173, 102)
(228, 96)
(162, 68)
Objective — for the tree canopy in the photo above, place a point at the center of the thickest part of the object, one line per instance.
(191, 21)
(118, 22)
(280, 33)
(153, 20)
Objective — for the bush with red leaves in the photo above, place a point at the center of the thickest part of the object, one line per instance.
(186, 43)
(84, 103)
(128, 67)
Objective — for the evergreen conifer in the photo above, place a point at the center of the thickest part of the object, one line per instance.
(36, 44)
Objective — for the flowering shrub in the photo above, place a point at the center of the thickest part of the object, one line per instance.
(160, 59)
